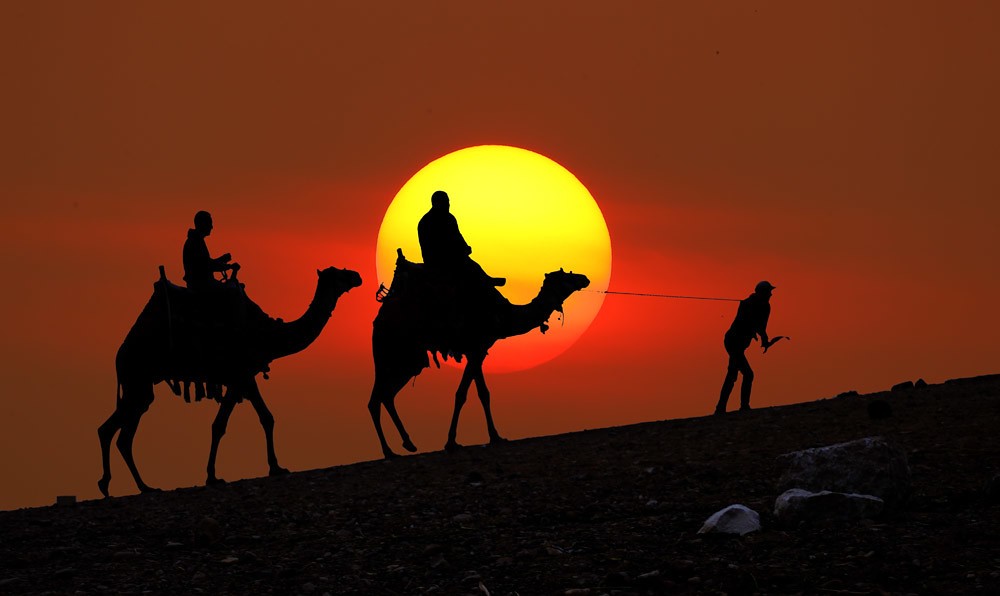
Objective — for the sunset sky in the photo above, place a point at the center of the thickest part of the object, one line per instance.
(846, 152)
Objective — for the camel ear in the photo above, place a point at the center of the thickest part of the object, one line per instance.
(317, 272)
(561, 270)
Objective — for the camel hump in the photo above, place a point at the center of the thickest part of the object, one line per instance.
(227, 306)
(406, 267)
(403, 263)
(165, 285)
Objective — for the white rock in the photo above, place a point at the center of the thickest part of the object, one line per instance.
(735, 519)
(795, 505)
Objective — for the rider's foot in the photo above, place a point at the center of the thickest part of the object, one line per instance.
(498, 281)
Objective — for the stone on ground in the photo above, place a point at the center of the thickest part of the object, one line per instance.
(735, 519)
(796, 505)
(869, 466)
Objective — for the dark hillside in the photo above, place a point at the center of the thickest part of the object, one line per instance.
(614, 510)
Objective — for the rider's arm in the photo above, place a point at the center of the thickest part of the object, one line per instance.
(222, 263)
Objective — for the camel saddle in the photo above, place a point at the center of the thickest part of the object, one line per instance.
(444, 309)
(205, 337)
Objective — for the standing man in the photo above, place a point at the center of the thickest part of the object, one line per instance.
(199, 266)
(750, 322)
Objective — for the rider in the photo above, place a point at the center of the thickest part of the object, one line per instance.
(199, 270)
(445, 251)
(199, 266)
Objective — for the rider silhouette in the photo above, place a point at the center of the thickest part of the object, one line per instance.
(750, 322)
(445, 252)
(199, 266)
(215, 302)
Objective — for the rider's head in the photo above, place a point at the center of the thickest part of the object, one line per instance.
(203, 222)
(764, 288)
(440, 200)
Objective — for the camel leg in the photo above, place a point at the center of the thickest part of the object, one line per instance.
(390, 407)
(375, 409)
(460, 396)
(384, 394)
(130, 413)
(106, 432)
(218, 429)
(484, 398)
(267, 423)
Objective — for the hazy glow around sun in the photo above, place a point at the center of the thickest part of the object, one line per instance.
(524, 215)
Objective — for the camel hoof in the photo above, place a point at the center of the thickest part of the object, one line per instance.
(213, 481)
(390, 455)
(497, 440)
(149, 489)
(278, 471)
(103, 485)
(409, 446)
(451, 446)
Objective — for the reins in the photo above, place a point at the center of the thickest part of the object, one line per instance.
(663, 295)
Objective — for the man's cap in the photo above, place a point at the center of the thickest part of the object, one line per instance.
(763, 286)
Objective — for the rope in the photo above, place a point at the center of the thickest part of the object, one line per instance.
(664, 295)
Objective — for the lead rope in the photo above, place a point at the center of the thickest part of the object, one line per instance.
(664, 295)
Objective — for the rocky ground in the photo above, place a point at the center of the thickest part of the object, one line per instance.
(610, 511)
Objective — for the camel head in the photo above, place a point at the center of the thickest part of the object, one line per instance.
(338, 281)
(559, 285)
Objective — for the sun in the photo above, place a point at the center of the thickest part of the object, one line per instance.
(524, 215)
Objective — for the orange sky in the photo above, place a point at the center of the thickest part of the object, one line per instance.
(845, 153)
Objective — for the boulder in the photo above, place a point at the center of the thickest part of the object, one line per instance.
(869, 466)
(797, 505)
(735, 519)
(919, 384)
(904, 386)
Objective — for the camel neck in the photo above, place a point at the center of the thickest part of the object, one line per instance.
(526, 317)
(294, 336)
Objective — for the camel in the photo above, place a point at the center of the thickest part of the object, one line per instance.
(417, 317)
(219, 341)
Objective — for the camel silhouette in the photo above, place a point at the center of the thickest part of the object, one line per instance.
(418, 316)
(220, 341)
